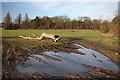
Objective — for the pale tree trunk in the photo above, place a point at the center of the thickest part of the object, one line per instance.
(52, 36)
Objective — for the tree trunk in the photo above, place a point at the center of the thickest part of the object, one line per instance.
(52, 36)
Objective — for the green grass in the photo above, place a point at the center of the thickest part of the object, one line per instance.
(16, 33)
(1, 32)
(109, 41)
(88, 35)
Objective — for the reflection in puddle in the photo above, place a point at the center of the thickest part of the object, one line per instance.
(70, 63)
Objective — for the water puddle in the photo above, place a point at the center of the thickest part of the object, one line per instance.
(68, 63)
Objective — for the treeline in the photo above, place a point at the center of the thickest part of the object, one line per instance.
(60, 22)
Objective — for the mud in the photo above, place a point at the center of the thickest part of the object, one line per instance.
(70, 61)
(100, 72)
(97, 47)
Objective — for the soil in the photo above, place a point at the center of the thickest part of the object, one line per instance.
(12, 54)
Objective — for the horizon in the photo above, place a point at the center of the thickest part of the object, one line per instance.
(71, 9)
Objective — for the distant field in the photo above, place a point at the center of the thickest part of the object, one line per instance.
(16, 33)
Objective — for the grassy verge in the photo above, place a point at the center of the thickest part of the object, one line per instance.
(108, 41)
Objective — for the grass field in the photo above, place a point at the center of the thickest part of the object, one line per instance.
(93, 36)
(16, 33)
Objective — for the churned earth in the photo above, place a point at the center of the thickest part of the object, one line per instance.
(66, 59)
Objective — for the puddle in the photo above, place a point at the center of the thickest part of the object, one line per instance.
(70, 63)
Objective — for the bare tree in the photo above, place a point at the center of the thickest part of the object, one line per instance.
(19, 19)
(25, 24)
(7, 22)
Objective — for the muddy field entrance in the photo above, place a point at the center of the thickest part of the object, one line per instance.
(67, 60)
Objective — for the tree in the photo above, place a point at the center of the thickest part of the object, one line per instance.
(114, 28)
(55, 20)
(105, 28)
(25, 24)
(7, 22)
(96, 24)
(60, 22)
(43, 23)
(48, 22)
(75, 24)
(87, 22)
(19, 19)
(36, 21)
(17, 22)
(68, 24)
(85, 18)
(80, 23)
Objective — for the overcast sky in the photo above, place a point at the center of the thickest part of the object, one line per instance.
(92, 8)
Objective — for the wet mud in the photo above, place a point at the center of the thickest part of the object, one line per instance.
(70, 61)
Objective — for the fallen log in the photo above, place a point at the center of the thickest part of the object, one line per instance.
(52, 36)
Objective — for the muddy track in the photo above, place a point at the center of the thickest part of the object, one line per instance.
(93, 43)
(99, 72)
(13, 57)
(99, 48)
(67, 49)
(8, 62)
